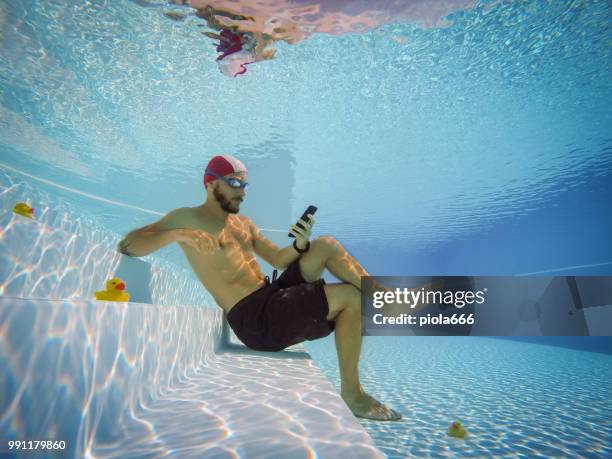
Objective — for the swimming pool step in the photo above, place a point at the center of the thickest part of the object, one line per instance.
(42, 261)
(131, 380)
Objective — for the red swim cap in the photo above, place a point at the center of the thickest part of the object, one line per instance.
(222, 165)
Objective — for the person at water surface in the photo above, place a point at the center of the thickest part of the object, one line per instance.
(237, 48)
(255, 39)
(221, 245)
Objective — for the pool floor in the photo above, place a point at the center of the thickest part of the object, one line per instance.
(515, 399)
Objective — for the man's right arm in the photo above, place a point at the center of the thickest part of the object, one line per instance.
(150, 238)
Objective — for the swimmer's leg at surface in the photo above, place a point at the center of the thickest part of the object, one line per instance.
(214, 36)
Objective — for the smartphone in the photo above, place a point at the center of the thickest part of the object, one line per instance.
(311, 210)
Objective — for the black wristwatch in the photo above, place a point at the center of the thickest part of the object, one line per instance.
(301, 250)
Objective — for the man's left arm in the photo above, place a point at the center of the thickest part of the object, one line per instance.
(270, 252)
(281, 258)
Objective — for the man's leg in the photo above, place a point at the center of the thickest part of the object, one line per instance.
(327, 252)
(345, 307)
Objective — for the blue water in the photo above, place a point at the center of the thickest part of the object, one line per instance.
(480, 144)
(483, 146)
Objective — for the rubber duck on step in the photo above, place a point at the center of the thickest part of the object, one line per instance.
(114, 291)
(21, 208)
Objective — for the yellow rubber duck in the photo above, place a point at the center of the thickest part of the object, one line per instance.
(21, 208)
(114, 291)
(456, 430)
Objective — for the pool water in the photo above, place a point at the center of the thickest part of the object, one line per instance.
(455, 138)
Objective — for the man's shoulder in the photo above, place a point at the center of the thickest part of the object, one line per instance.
(179, 216)
(244, 219)
(246, 222)
(193, 215)
(180, 213)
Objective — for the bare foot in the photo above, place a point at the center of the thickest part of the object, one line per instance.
(365, 406)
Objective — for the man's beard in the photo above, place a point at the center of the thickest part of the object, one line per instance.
(226, 204)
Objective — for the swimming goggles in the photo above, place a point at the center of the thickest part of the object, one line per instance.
(232, 182)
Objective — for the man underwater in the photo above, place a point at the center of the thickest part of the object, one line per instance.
(268, 316)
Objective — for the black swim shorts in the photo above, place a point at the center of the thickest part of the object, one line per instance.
(283, 312)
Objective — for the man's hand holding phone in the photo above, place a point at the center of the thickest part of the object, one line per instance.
(302, 230)
(302, 236)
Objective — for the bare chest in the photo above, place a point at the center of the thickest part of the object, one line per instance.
(233, 235)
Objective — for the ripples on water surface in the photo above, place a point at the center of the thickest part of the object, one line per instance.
(432, 120)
